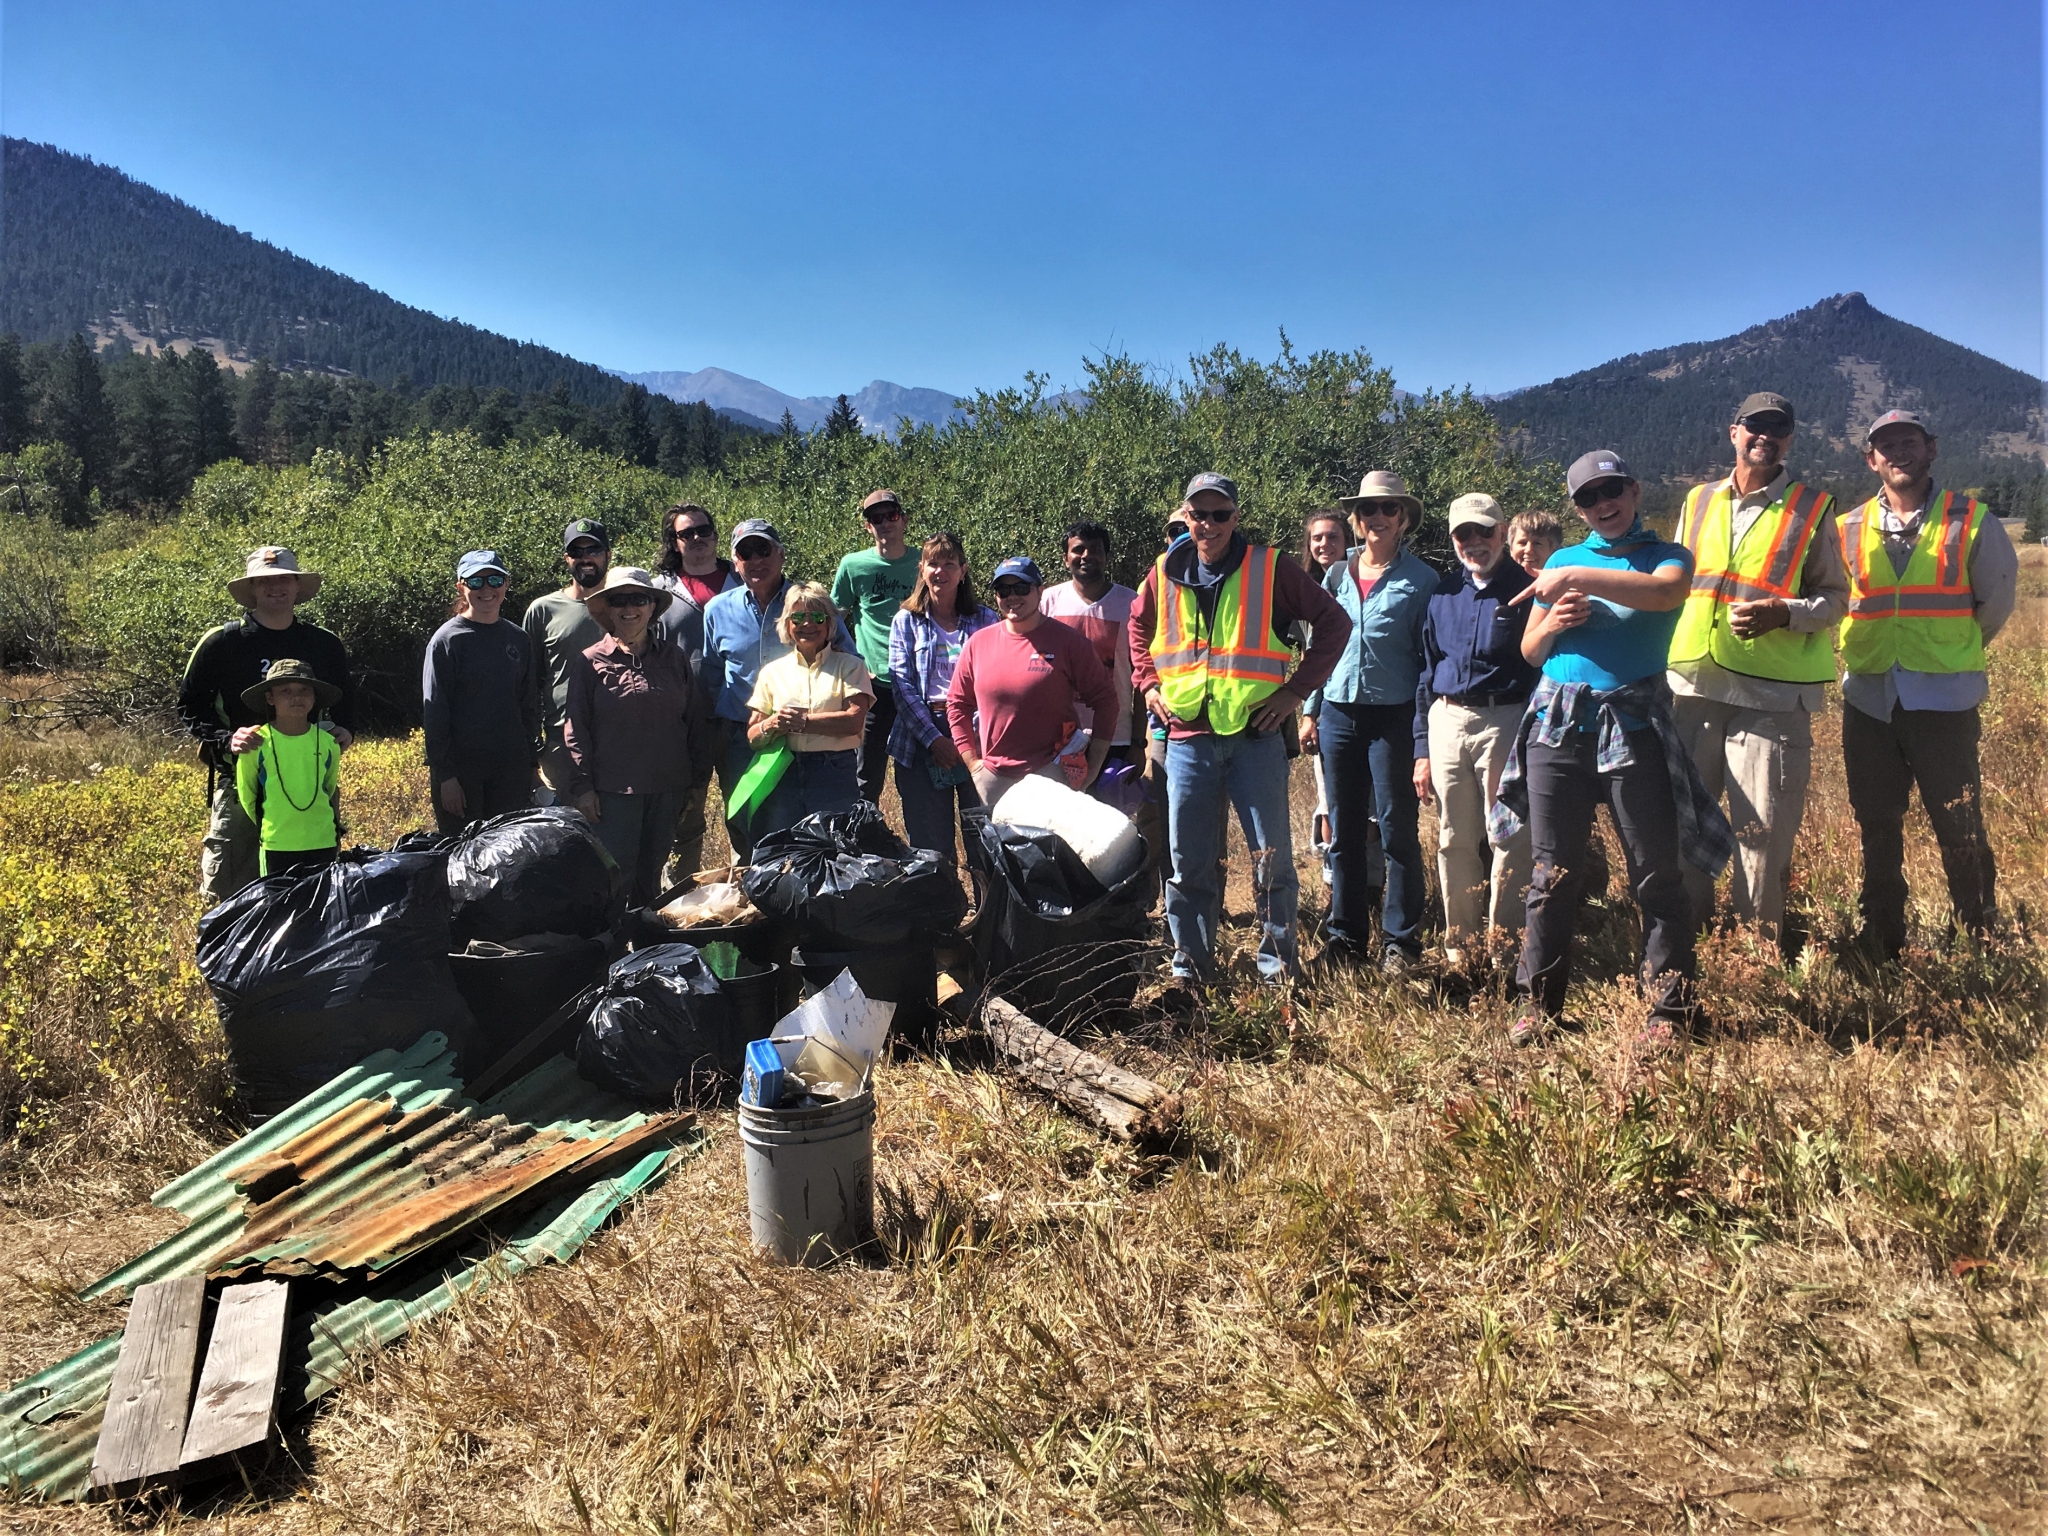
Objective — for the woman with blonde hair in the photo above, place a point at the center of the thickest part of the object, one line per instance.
(811, 703)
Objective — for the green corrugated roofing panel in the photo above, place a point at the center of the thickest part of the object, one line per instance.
(50, 1423)
(381, 1162)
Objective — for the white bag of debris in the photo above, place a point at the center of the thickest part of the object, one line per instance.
(1104, 838)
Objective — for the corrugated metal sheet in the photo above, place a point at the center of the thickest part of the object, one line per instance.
(384, 1162)
(50, 1423)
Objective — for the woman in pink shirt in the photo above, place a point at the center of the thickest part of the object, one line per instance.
(1012, 702)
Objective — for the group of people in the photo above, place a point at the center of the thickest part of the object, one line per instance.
(1519, 691)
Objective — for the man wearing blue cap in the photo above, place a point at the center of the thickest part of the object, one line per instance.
(1011, 706)
(1210, 652)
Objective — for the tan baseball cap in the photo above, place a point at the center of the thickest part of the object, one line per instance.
(1477, 509)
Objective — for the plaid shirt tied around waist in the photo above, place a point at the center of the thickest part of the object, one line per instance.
(1556, 709)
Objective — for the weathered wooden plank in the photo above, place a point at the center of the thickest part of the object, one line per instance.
(237, 1399)
(1122, 1103)
(144, 1429)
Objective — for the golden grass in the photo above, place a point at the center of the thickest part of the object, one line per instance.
(1401, 1278)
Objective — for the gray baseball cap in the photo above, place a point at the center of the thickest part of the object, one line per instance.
(755, 528)
(1896, 419)
(1600, 464)
(1223, 485)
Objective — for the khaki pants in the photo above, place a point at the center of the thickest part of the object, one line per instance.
(1483, 882)
(229, 854)
(1762, 760)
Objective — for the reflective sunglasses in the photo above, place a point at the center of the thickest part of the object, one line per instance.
(810, 618)
(484, 579)
(629, 599)
(1588, 497)
(693, 534)
(1766, 426)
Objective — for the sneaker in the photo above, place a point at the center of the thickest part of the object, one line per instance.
(1454, 958)
(1395, 962)
(1529, 1029)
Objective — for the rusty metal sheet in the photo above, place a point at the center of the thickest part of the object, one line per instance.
(50, 1423)
(384, 1162)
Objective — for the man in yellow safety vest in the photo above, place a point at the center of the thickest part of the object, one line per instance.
(1932, 578)
(1750, 660)
(1209, 656)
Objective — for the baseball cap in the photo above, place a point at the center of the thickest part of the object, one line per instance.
(1477, 509)
(1895, 419)
(755, 528)
(882, 498)
(477, 561)
(1223, 485)
(1600, 464)
(1766, 402)
(585, 528)
(1018, 568)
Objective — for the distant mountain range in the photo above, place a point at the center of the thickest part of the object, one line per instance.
(1841, 362)
(880, 405)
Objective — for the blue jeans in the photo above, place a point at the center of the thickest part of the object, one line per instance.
(929, 814)
(1369, 766)
(1252, 771)
(814, 783)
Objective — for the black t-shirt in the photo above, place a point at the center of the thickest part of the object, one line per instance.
(235, 657)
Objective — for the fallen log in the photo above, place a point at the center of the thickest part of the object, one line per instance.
(1128, 1106)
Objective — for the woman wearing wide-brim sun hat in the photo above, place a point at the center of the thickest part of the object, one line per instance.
(1365, 725)
(635, 731)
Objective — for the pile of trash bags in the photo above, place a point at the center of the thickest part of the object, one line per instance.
(537, 871)
(844, 881)
(313, 971)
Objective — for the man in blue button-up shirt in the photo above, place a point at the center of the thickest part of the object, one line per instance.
(739, 640)
(1468, 704)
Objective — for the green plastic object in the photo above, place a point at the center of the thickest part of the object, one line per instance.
(759, 781)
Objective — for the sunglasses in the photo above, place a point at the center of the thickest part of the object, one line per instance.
(1475, 533)
(586, 551)
(1220, 515)
(885, 515)
(1014, 589)
(484, 579)
(754, 549)
(810, 618)
(630, 599)
(692, 534)
(1589, 497)
(1381, 509)
(1766, 426)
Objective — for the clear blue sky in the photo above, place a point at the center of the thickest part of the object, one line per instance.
(949, 195)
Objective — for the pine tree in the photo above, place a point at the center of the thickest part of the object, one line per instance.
(75, 413)
(206, 417)
(844, 420)
(788, 427)
(254, 401)
(13, 396)
(633, 437)
(151, 467)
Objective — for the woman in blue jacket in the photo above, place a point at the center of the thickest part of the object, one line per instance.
(1365, 724)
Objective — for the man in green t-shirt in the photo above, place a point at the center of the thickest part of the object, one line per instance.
(868, 588)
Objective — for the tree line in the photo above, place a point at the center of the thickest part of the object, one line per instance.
(84, 432)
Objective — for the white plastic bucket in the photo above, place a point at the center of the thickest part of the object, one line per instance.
(811, 1178)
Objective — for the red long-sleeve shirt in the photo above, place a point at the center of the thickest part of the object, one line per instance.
(1297, 598)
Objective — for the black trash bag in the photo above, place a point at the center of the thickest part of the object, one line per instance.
(845, 881)
(1050, 937)
(313, 971)
(658, 1020)
(537, 871)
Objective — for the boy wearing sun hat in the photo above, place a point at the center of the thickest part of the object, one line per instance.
(289, 781)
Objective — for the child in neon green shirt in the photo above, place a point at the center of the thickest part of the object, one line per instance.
(290, 782)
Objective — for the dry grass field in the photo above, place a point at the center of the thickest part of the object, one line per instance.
(1400, 1278)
